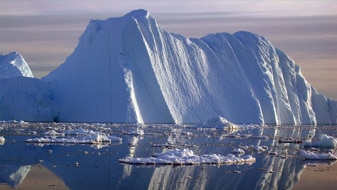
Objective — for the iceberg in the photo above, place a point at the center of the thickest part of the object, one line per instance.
(129, 70)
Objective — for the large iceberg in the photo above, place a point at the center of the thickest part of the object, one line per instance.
(128, 69)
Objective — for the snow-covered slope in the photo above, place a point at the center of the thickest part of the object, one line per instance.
(14, 65)
(128, 69)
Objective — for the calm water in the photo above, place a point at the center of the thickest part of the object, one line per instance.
(97, 166)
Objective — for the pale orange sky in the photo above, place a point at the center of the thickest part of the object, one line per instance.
(45, 32)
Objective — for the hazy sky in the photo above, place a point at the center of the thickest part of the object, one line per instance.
(45, 32)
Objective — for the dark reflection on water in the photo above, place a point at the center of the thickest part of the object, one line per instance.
(97, 166)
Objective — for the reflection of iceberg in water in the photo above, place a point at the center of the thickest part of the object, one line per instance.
(13, 175)
(31, 177)
(132, 147)
(276, 168)
(280, 172)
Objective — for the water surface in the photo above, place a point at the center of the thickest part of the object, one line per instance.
(86, 166)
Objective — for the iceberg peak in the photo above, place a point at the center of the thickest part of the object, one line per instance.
(14, 65)
(140, 13)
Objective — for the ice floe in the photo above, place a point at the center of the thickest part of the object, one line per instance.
(324, 140)
(308, 155)
(75, 136)
(2, 140)
(187, 157)
(238, 151)
(257, 148)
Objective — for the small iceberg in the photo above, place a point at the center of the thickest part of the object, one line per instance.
(308, 155)
(238, 151)
(187, 157)
(324, 140)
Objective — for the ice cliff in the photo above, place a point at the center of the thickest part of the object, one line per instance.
(128, 69)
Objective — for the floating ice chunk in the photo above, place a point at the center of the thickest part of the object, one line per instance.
(324, 140)
(317, 156)
(187, 133)
(260, 148)
(254, 148)
(2, 140)
(238, 151)
(187, 157)
(53, 133)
